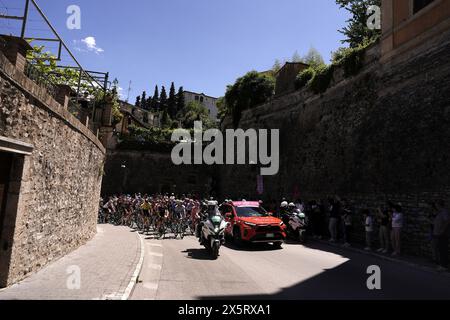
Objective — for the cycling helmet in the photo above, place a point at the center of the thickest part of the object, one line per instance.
(291, 205)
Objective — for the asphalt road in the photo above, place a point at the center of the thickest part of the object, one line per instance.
(182, 270)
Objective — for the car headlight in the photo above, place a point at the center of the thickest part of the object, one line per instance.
(216, 230)
(250, 224)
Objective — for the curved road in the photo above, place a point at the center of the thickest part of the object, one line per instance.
(182, 270)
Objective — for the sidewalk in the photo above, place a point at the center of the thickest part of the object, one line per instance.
(108, 266)
(412, 261)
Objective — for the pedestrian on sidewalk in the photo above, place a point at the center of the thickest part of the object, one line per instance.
(368, 220)
(383, 218)
(397, 226)
(441, 232)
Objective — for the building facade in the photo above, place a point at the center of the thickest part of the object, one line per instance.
(408, 24)
(209, 102)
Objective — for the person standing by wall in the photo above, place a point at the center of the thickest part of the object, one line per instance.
(334, 216)
(397, 225)
(368, 219)
(441, 230)
(383, 221)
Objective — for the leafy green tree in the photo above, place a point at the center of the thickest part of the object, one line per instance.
(163, 100)
(166, 121)
(222, 108)
(195, 111)
(155, 100)
(181, 104)
(296, 57)
(277, 66)
(172, 102)
(313, 58)
(357, 31)
(248, 91)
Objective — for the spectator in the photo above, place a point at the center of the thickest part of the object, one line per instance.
(335, 211)
(441, 230)
(347, 221)
(383, 221)
(397, 225)
(368, 222)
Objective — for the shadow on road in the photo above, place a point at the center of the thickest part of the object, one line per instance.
(198, 254)
(251, 247)
(348, 281)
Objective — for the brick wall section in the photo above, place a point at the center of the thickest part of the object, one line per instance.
(59, 190)
(382, 135)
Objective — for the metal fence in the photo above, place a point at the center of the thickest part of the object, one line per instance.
(50, 80)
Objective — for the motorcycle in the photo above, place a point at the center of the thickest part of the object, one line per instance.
(212, 234)
(296, 226)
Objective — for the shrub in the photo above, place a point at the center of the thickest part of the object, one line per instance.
(304, 77)
(321, 79)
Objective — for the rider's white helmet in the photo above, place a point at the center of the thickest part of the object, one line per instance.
(291, 205)
(284, 204)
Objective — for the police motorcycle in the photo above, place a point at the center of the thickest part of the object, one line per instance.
(211, 230)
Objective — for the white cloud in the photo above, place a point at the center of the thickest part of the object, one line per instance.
(91, 45)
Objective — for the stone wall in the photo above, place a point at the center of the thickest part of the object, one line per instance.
(151, 172)
(381, 135)
(54, 192)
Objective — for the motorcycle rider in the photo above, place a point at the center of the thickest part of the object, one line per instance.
(284, 211)
(210, 209)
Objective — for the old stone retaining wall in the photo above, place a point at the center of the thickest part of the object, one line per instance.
(152, 172)
(53, 196)
(381, 135)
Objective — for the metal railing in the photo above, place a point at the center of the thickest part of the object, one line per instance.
(41, 79)
(51, 80)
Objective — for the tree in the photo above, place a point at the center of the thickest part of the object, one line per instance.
(138, 101)
(181, 104)
(222, 108)
(313, 58)
(195, 111)
(163, 99)
(277, 66)
(165, 119)
(143, 100)
(155, 100)
(172, 102)
(357, 31)
(248, 91)
(296, 57)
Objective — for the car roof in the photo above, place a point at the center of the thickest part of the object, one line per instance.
(245, 203)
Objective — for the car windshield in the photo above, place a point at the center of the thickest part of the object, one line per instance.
(248, 212)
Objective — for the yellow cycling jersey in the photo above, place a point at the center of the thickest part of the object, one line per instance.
(145, 206)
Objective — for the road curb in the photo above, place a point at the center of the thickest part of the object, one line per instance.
(137, 271)
(387, 258)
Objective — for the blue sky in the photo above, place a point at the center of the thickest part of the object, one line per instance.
(202, 45)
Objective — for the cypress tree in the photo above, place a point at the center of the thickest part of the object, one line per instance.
(143, 99)
(155, 100)
(180, 100)
(172, 102)
(163, 99)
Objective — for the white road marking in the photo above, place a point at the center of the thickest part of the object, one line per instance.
(155, 254)
(155, 266)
